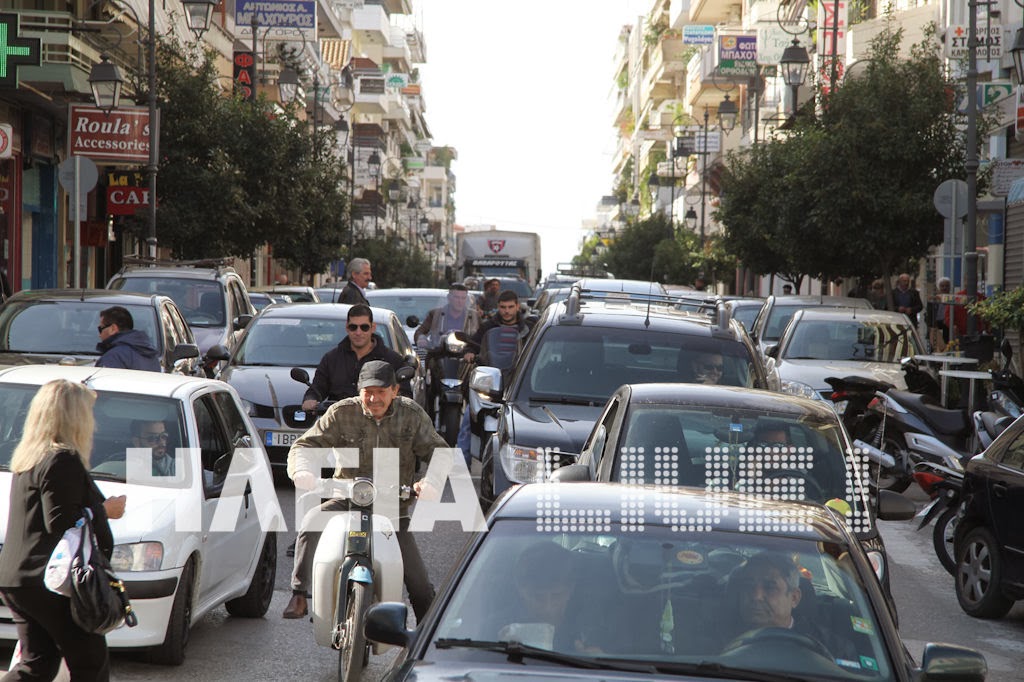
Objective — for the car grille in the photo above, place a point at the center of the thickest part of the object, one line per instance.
(262, 411)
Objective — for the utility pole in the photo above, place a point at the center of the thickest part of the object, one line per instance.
(971, 164)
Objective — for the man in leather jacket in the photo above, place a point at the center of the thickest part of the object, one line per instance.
(338, 370)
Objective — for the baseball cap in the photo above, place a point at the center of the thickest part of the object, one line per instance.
(377, 373)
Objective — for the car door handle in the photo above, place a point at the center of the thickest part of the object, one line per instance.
(999, 490)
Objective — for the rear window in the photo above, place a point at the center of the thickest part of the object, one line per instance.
(64, 326)
(201, 302)
(589, 363)
(404, 305)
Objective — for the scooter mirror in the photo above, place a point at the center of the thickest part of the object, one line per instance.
(300, 375)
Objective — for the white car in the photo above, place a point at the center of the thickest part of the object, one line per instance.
(176, 566)
(838, 342)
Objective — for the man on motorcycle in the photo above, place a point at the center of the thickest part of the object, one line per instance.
(338, 370)
(457, 315)
(487, 302)
(377, 418)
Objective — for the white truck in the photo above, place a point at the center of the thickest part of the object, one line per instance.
(497, 253)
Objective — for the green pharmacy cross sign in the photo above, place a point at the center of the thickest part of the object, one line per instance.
(14, 51)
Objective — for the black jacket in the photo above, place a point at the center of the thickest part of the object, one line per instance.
(352, 294)
(46, 501)
(337, 375)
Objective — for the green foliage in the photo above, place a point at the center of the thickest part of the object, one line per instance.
(647, 248)
(235, 175)
(395, 264)
(850, 191)
(1004, 310)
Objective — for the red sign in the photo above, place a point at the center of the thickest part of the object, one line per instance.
(121, 136)
(496, 245)
(245, 74)
(126, 200)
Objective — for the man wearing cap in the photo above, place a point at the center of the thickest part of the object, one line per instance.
(377, 418)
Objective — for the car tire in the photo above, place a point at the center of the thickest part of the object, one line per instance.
(979, 574)
(172, 651)
(255, 602)
(451, 420)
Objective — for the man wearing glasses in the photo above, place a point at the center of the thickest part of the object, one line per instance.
(707, 368)
(153, 435)
(122, 345)
(338, 371)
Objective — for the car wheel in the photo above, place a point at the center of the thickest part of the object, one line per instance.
(255, 602)
(979, 572)
(172, 651)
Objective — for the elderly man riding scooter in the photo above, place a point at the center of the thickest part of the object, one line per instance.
(377, 418)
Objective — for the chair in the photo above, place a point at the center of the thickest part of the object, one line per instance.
(666, 459)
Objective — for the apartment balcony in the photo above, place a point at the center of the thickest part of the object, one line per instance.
(370, 95)
(371, 24)
(715, 12)
(396, 109)
(65, 58)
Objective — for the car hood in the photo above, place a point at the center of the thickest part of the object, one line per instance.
(207, 336)
(814, 372)
(530, 669)
(11, 359)
(254, 384)
(549, 425)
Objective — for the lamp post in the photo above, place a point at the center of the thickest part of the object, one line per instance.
(373, 165)
(727, 112)
(794, 63)
(198, 15)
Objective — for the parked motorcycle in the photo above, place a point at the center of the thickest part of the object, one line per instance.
(357, 563)
(445, 398)
(1007, 395)
(944, 485)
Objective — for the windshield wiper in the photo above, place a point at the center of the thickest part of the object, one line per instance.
(562, 400)
(517, 652)
(726, 672)
(101, 476)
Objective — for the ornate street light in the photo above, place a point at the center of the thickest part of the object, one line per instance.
(727, 113)
(106, 82)
(373, 165)
(199, 15)
(690, 218)
(341, 131)
(288, 84)
(794, 63)
(424, 225)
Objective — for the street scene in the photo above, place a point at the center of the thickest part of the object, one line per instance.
(396, 339)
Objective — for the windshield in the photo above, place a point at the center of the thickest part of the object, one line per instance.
(746, 314)
(128, 426)
(778, 319)
(668, 597)
(294, 341)
(756, 451)
(851, 340)
(404, 305)
(201, 301)
(67, 327)
(591, 362)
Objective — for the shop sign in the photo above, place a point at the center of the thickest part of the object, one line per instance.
(120, 136)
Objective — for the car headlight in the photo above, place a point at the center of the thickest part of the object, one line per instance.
(137, 556)
(799, 388)
(524, 464)
(249, 407)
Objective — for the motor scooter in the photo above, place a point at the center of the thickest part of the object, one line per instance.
(1007, 395)
(446, 396)
(503, 343)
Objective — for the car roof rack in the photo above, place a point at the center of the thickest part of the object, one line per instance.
(216, 263)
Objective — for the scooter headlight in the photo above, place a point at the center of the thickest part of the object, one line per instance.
(454, 345)
(363, 492)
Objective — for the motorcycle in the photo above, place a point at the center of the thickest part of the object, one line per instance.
(358, 562)
(944, 485)
(446, 396)
(503, 343)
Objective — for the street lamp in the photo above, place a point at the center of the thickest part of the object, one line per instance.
(288, 85)
(199, 15)
(794, 63)
(373, 165)
(690, 218)
(106, 82)
(727, 111)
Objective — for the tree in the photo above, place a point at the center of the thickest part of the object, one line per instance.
(650, 249)
(395, 264)
(850, 191)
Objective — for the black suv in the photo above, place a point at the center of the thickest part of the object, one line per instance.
(210, 295)
(579, 352)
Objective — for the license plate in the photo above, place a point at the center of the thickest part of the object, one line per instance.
(280, 438)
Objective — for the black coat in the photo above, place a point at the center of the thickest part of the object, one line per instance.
(337, 375)
(46, 501)
(352, 294)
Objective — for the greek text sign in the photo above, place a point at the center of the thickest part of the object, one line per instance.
(990, 41)
(737, 55)
(282, 18)
(122, 136)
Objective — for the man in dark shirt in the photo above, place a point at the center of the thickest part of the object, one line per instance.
(338, 371)
(122, 345)
(906, 299)
(359, 276)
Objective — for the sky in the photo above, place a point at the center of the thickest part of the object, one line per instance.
(523, 91)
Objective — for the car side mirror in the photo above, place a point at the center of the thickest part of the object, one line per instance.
(772, 351)
(895, 507)
(486, 380)
(949, 661)
(385, 624)
(218, 352)
(571, 472)
(185, 351)
(242, 321)
(412, 321)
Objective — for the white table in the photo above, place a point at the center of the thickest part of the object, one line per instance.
(972, 376)
(946, 361)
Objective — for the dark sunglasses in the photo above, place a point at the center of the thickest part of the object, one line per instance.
(154, 438)
(99, 329)
(362, 327)
(711, 367)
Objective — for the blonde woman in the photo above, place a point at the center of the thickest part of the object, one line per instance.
(50, 487)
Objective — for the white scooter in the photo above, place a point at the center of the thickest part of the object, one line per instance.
(358, 562)
(488, 382)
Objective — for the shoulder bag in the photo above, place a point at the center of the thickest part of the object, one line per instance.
(99, 602)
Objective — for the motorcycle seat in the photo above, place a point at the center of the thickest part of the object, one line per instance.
(946, 422)
(994, 423)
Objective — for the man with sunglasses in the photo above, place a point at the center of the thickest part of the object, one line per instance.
(122, 346)
(153, 435)
(338, 371)
(707, 368)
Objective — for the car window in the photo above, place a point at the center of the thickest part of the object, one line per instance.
(233, 420)
(591, 362)
(289, 341)
(778, 318)
(201, 302)
(746, 314)
(215, 450)
(240, 299)
(851, 340)
(181, 328)
(170, 339)
(63, 326)
(666, 595)
(404, 305)
(1013, 454)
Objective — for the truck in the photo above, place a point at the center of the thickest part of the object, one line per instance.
(497, 253)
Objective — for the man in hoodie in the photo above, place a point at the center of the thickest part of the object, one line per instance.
(122, 345)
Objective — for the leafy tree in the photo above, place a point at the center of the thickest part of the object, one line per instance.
(395, 264)
(1005, 311)
(650, 249)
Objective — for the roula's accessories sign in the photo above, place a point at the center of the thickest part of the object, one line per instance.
(118, 136)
